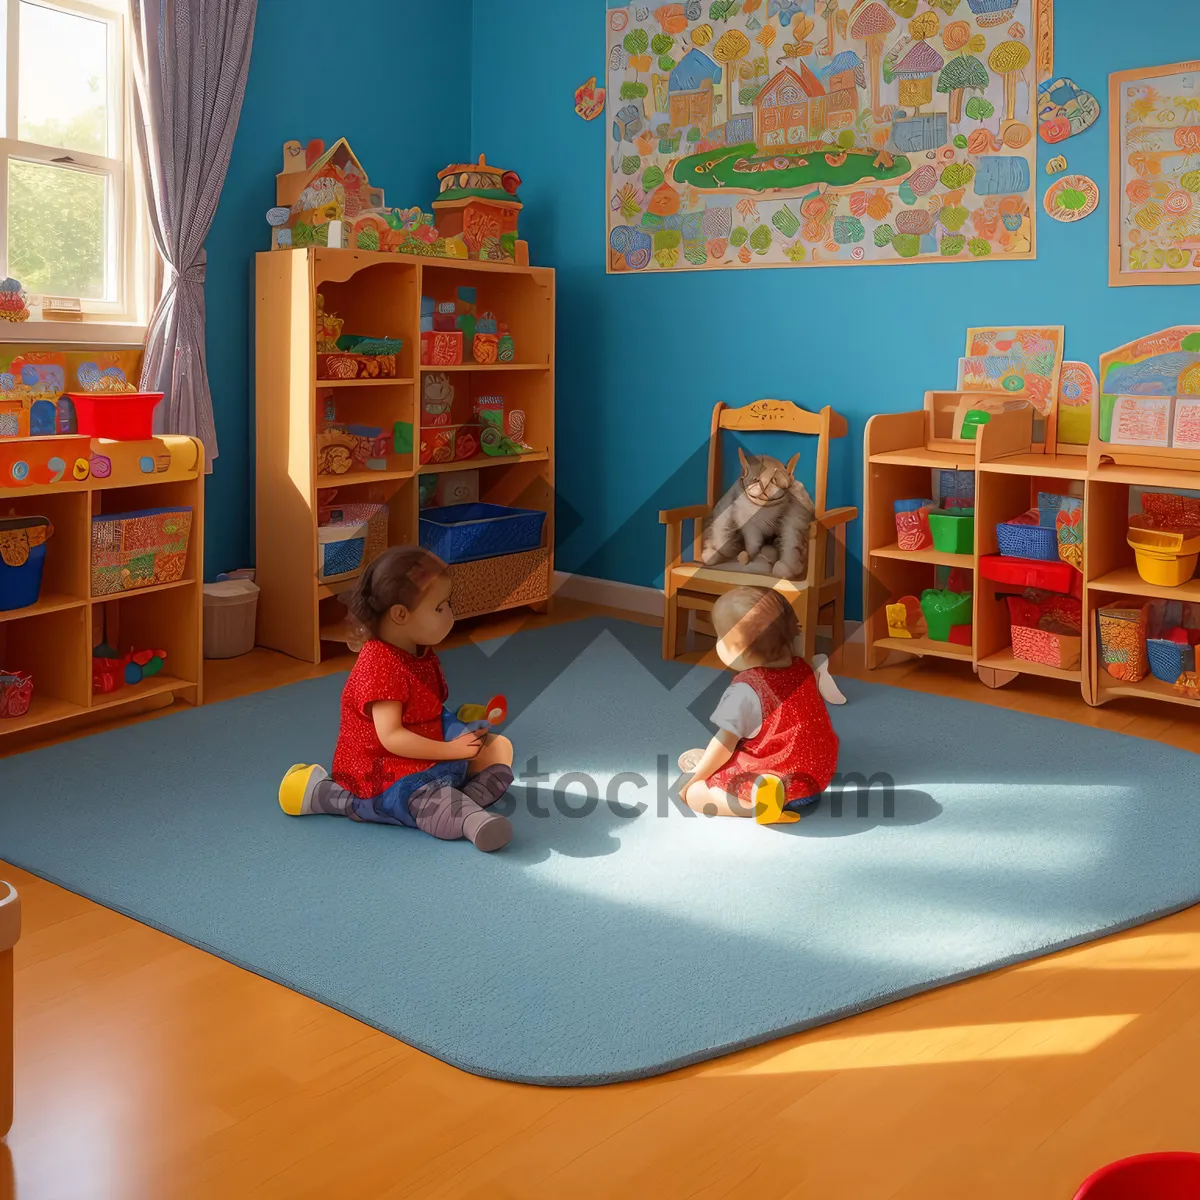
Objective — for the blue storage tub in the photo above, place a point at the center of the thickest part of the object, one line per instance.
(463, 532)
(21, 585)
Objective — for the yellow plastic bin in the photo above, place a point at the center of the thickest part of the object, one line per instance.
(1166, 553)
(10, 931)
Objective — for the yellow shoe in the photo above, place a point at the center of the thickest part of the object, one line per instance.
(769, 799)
(296, 790)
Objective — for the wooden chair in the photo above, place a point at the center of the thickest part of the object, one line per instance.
(694, 588)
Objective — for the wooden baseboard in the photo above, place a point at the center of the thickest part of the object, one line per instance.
(609, 593)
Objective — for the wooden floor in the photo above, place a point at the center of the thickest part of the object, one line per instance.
(150, 1069)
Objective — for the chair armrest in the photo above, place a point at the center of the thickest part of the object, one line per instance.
(672, 516)
(837, 516)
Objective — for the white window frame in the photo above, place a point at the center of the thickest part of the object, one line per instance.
(122, 316)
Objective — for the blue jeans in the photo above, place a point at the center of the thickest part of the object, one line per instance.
(391, 806)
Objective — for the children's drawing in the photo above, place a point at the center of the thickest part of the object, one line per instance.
(819, 132)
(1024, 362)
(1156, 175)
(589, 100)
(1077, 390)
(1155, 369)
(1064, 110)
(1071, 198)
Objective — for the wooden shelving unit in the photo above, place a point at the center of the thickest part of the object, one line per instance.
(53, 639)
(378, 294)
(1008, 478)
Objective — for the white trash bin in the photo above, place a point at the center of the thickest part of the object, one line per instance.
(230, 609)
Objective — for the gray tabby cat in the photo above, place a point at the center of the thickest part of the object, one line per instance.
(766, 503)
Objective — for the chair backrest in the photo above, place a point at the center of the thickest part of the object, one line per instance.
(778, 416)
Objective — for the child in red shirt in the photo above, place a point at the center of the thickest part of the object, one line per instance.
(775, 749)
(401, 757)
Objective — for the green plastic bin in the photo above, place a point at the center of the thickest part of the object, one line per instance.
(953, 530)
(943, 609)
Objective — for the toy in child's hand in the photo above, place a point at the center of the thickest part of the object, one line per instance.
(494, 712)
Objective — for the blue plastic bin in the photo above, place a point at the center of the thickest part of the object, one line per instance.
(463, 532)
(22, 585)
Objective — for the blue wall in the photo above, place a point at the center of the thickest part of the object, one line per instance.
(393, 78)
(642, 359)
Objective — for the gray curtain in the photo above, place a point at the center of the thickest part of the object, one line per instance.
(190, 62)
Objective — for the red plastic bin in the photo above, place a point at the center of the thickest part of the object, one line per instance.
(1027, 573)
(118, 416)
(1166, 1176)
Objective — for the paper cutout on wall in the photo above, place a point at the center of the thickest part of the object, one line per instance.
(1077, 391)
(589, 100)
(841, 133)
(1027, 363)
(1056, 166)
(1065, 110)
(1071, 198)
(1156, 150)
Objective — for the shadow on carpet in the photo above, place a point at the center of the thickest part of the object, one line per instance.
(617, 936)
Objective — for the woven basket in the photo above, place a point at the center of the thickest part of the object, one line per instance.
(139, 549)
(489, 584)
(1051, 649)
(1025, 538)
(355, 535)
(1123, 639)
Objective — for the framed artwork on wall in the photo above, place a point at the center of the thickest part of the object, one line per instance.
(1155, 166)
(836, 132)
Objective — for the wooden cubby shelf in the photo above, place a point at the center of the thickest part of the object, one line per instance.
(1008, 476)
(379, 295)
(54, 638)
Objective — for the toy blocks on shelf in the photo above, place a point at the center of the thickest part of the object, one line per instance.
(441, 349)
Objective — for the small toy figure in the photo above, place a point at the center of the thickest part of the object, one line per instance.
(401, 757)
(775, 750)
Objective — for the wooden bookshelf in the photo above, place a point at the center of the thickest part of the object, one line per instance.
(53, 639)
(1008, 477)
(378, 295)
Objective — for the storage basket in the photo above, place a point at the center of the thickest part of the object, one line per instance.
(1048, 631)
(16, 693)
(463, 532)
(353, 536)
(119, 416)
(487, 585)
(1028, 573)
(22, 557)
(139, 549)
(953, 532)
(912, 524)
(1059, 650)
(1023, 537)
(943, 610)
(1168, 659)
(1122, 629)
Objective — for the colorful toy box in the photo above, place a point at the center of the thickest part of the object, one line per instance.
(139, 549)
(1122, 630)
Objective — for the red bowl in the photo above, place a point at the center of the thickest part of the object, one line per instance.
(1165, 1176)
(118, 416)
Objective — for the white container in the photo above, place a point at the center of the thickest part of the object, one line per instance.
(230, 609)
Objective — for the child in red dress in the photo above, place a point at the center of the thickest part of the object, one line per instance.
(775, 749)
(401, 757)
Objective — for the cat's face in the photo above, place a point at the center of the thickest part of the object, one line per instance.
(766, 480)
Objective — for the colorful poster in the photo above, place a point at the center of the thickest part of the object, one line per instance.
(1156, 175)
(819, 132)
(1018, 361)
(1159, 367)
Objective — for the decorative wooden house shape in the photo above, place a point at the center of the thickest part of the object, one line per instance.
(480, 203)
(330, 186)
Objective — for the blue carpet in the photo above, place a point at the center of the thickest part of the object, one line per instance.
(620, 943)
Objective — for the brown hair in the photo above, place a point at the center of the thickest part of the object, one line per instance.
(400, 575)
(760, 619)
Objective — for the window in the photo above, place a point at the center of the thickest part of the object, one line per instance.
(68, 194)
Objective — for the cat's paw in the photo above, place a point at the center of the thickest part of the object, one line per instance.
(769, 555)
(787, 570)
(743, 558)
